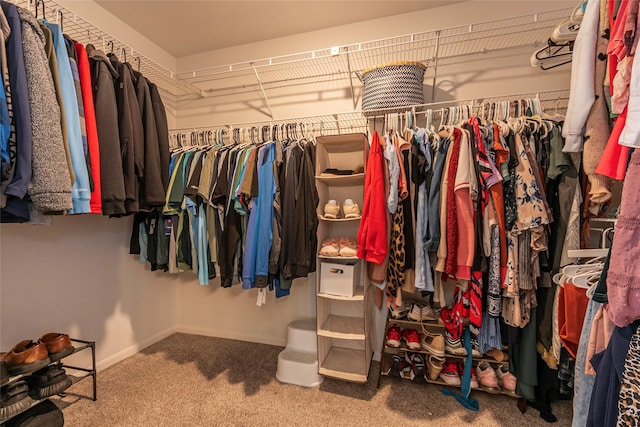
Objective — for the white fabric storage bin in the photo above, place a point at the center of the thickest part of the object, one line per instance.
(339, 278)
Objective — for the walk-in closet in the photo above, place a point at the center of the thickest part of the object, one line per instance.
(319, 213)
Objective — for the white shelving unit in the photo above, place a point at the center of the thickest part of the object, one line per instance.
(344, 323)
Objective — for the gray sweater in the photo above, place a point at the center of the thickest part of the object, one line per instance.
(50, 188)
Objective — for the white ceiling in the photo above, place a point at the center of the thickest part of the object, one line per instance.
(185, 27)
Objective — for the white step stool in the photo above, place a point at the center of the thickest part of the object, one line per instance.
(298, 362)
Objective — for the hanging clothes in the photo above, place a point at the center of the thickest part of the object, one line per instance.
(50, 189)
(103, 78)
(80, 191)
(19, 168)
(93, 144)
(372, 241)
(131, 134)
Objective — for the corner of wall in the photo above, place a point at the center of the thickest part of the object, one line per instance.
(135, 348)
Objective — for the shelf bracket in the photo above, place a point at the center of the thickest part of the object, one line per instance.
(435, 67)
(353, 92)
(264, 94)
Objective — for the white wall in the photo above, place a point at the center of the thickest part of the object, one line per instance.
(76, 276)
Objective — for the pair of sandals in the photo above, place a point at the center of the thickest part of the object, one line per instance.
(350, 209)
(339, 246)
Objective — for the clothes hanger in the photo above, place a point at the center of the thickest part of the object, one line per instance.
(578, 13)
(38, 3)
(552, 55)
(585, 281)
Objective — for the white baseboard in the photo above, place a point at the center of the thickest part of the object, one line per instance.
(131, 350)
(234, 336)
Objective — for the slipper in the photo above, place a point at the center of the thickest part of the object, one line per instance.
(330, 247)
(348, 247)
(331, 209)
(351, 209)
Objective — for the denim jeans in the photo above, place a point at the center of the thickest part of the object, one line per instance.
(424, 280)
(583, 383)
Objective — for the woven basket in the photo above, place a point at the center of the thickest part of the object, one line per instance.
(392, 85)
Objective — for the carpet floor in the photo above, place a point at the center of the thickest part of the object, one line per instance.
(190, 380)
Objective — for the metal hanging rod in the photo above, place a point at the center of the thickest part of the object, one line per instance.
(357, 120)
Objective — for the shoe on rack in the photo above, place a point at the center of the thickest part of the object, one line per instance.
(4, 371)
(453, 345)
(351, 209)
(348, 247)
(58, 345)
(418, 370)
(14, 399)
(26, 356)
(433, 343)
(506, 379)
(398, 365)
(434, 366)
(394, 336)
(412, 338)
(498, 354)
(421, 312)
(475, 348)
(330, 247)
(487, 377)
(449, 373)
(399, 312)
(331, 209)
(415, 313)
(428, 313)
(473, 383)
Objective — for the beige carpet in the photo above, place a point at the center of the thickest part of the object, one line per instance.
(190, 380)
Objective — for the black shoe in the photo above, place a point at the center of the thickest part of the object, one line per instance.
(4, 373)
(418, 369)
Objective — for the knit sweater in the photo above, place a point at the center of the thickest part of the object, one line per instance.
(50, 187)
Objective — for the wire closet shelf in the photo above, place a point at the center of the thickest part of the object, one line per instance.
(84, 32)
(433, 48)
(552, 102)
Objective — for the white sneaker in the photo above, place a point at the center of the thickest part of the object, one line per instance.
(331, 209)
(416, 313)
(351, 209)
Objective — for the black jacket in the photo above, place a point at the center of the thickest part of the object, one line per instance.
(152, 192)
(163, 133)
(131, 134)
(103, 76)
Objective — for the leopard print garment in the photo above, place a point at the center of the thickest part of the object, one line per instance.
(629, 397)
(395, 268)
